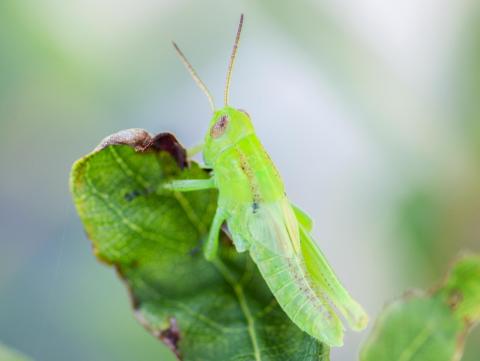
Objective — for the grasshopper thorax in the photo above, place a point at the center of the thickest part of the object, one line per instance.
(227, 127)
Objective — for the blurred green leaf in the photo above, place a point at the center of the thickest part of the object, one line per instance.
(201, 310)
(7, 354)
(421, 223)
(426, 326)
(461, 289)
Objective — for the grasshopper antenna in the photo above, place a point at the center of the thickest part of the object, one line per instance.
(232, 61)
(194, 75)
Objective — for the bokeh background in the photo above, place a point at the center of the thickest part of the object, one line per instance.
(371, 110)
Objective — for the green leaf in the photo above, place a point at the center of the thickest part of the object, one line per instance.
(430, 326)
(201, 310)
(462, 289)
(7, 354)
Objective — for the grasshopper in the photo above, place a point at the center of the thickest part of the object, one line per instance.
(262, 220)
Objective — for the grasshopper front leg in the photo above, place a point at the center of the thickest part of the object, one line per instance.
(210, 247)
(189, 185)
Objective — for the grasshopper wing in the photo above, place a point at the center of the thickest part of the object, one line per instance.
(274, 226)
(275, 246)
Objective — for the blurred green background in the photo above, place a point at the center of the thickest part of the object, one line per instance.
(370, 109)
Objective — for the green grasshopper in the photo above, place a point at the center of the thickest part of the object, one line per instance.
(261, 219)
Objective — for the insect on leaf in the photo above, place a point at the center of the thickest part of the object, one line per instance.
(201, 310)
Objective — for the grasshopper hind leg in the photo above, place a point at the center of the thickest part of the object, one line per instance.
(302, 217)
(325, 281)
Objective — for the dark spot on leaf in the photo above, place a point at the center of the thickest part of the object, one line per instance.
(194, 251)
(171, 336)
(255, 207)
(132, 195)
(168, 143)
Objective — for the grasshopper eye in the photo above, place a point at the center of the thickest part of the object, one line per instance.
(219, 127)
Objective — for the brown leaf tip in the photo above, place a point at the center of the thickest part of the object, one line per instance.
(168, 143)
(141, 141)
(138, 138)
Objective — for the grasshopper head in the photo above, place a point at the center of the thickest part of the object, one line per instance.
(227, 127)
